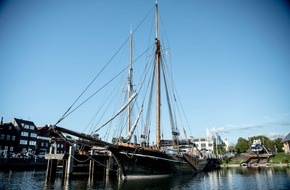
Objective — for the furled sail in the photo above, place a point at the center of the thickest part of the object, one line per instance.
(130, 133)
(120, 111)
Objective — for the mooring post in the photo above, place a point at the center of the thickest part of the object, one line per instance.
(70, 162)
(108, 167)
(51, 165)
(91, 167)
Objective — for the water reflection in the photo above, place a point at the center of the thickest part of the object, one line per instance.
(232, 178)
(253, 178)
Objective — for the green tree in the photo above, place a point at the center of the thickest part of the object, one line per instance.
(268, 143)
(232, 148)
(277, 143)
(220, 148)
(242, 145)
(265, 140)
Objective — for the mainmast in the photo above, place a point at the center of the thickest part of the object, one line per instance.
(129, 85)
(157, 62)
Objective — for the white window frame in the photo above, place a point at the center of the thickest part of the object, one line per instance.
(23, 142)
(32, 143)
(34, 135)
(24, 134)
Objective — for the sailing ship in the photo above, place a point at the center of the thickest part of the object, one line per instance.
(140, 159)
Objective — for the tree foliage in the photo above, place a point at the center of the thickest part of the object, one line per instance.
(243, 145)
(278, 144)
(220, 149)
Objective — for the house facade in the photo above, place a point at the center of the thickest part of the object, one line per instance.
(21, 138)
(44, 144)
(27, 135)
(9, 139)
(286, 143)
(203, 143)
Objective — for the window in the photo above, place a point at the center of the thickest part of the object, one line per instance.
(32, 143)
(202, 140)
(2, 136)
(33, 135)
(7, 137)
(25, 126)
(13, 138)
(24, 134)
(209, 144)
(23, 142)
(203, 145)
(11, 149)
(42, 144)
(31, 127)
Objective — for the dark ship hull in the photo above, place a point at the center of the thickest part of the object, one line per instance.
(147, 162)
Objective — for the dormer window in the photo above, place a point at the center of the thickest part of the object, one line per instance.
(25, 126)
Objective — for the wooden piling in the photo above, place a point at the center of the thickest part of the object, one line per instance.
(91, 167)
(51, 170)
(51, 165)
(70, 162)
(52, 158)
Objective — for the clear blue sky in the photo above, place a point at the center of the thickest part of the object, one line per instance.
(231, 59)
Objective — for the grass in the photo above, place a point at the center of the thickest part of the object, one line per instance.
(280, 158)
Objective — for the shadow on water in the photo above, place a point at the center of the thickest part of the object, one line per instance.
(160, 183)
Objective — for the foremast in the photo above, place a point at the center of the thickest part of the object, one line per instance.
(129, 83)
(157, 64)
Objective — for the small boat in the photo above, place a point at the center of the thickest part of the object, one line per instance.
(257, 146)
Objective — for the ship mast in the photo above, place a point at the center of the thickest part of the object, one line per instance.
(157, 62)
(129, 84)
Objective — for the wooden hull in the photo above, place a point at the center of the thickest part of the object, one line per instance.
(146, 162)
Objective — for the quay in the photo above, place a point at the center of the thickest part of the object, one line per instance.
(22, 164)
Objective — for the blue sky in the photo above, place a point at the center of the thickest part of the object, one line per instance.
(231, 59)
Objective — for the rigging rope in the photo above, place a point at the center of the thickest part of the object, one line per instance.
(168, 103)
(110, 60)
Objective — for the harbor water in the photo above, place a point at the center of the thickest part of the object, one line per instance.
(226, 178)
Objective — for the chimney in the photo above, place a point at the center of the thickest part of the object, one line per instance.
(1, 121)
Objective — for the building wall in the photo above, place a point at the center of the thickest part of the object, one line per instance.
(9, 139)
(203, 143)
(28, 135)
(286, 146)
(20, 136)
